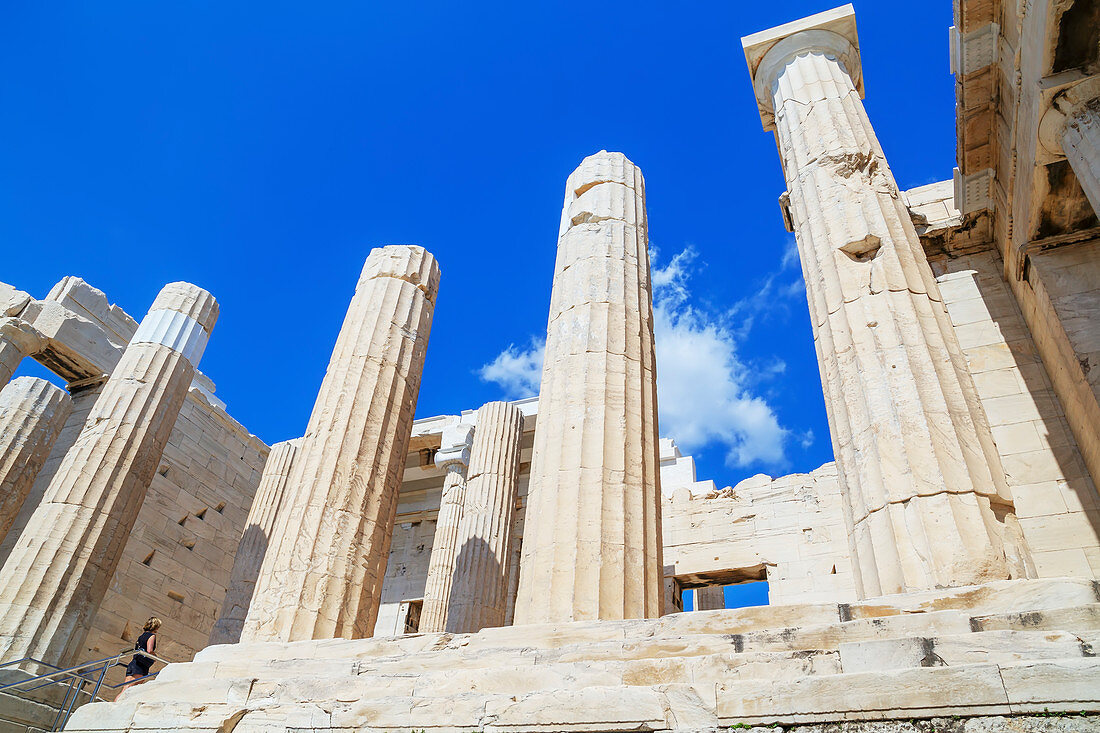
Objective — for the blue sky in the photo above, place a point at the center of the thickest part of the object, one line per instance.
(260, 150)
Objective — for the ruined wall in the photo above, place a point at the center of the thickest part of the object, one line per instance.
(1054, 495)
(788, 531)
(177, 561)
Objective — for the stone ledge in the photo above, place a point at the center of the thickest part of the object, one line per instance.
(682, 672)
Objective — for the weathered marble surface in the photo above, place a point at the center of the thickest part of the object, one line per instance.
(592, 545)
(1081, 142)
(479, 592)
(177, 560)
(32, 414)
(453, 457)
(788, 530)
(927, 504)
(696, 671)
(58, 572)
(17, 340)
(322, 575)
(266, 505)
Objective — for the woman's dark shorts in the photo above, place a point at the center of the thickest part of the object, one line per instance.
(139, 666)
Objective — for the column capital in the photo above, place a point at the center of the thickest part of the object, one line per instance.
(1064, 106)
(832, 32)
(454, 447)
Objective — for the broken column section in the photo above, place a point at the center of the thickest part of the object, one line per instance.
(57, 573)
(32, 413)
(322, 576)
(592, 538)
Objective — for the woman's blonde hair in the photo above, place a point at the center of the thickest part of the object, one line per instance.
(152, 624)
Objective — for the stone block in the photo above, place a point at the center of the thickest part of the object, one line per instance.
(1070, 563)
(1065, 684)
(918, 692)
(594, 709)
(1077, 618)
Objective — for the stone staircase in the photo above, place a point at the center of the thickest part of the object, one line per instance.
(1009, 648)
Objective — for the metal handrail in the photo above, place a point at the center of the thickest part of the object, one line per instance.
(76, 670)
(28, 659)
(81, 673)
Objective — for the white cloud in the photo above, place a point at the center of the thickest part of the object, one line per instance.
(701, 383)
(704, 389)
(517, 371)
(671, 280)
(806, 439)
(790, 256)
(774, 295)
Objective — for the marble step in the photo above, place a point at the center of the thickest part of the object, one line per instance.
(434, 652)
(491, 673)
(505, 677)
(976, 689)
(1008, 647)
(711, 669)
(1055, 685)
(984, 647)
(1084, 616)
(759, 623)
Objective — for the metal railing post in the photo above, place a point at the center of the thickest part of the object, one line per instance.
(102, 674)
(72, 704)
(64, 703)
(78, 677)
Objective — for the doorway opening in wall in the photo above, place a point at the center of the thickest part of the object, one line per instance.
(724, 588)
(412, 616)
(740, 595)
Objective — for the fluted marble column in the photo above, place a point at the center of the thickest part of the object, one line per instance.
(917, 463)
(57, 573)
(592, 538)
(1081, 137)
(254, 542)
(453, 457)
(479, 589)
(322, 576)
(17, 340)
(32, 413)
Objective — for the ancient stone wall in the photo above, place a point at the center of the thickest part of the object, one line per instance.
(788, 531)
(177, 561)
(1055, 499)
(180, 554)
(1070, 276)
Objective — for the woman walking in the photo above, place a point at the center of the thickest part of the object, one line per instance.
(140, 664)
